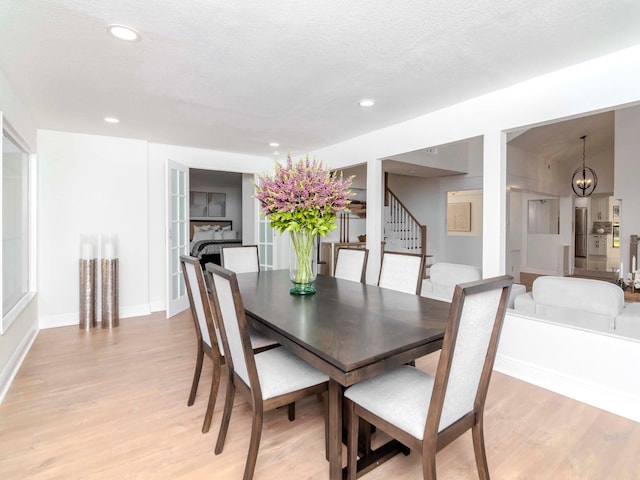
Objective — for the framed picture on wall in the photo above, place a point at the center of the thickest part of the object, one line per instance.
(459, 217)
(198, 204)
(217, 204)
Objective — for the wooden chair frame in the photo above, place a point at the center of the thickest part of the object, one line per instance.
(246, 247)
(364, 264)
(253, 391)
(213, 351)
(421, 268)
(434, 441)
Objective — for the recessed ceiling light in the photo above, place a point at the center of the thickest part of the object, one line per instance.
(367, 102)
(111, 120)
(123, 32)
(274, 144)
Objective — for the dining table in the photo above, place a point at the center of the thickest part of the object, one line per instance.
(349, 330)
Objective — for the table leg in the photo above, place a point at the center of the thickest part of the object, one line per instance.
(335, 430)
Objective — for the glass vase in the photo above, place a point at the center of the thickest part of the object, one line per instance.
(302, 262)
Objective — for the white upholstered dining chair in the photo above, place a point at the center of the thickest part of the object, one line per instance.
(268, 379)
(427, 413)
(208, 340)
(241, 259)
(401, 271)
(351, 264)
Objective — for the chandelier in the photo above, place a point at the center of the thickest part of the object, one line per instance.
(584, 179)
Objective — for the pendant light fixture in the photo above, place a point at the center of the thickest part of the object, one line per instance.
(584, 179)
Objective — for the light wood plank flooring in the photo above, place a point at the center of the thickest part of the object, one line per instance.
(113, 405)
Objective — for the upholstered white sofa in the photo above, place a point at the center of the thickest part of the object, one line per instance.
(443, 278)
(585, 303)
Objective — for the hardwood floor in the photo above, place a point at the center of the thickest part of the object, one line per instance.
(113, 405)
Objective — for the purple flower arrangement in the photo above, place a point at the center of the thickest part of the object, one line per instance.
(303, 196)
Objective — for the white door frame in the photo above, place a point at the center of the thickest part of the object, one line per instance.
(177, 228)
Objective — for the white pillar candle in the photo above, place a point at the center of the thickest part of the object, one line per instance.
(86, 252)
(109, 251)
(621, 272)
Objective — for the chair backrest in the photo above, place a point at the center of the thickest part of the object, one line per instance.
(468, 351)
(229, 310)
(401, 271)
(241, 259)
(199, 300)
(351, 263)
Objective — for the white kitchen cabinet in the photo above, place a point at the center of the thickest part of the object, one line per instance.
(597, 245)
(600, 209)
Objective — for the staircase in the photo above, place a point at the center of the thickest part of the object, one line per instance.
(402, 231)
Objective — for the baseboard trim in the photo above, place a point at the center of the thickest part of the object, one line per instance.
(158, 306)
(592, 394)
(70, 319)
(15, 361)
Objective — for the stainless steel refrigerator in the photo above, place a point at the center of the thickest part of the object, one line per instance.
(581, 232)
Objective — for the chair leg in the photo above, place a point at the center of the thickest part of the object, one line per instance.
(254, 444)
(226, 416)
(291, 410)
(477, 433)
(429, 466)
(429, 448)
(196, 376)
(213, 394)
(352, 441)
(365, 429)
(325, 402)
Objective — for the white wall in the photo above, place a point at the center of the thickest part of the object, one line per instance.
(610, 82)
(627, 168)
(250, 208)
(16, 114)
(592, 367)
(590, 87)
(426, 198)
(542, 253)
(529, 172)
(158, 154)
(209, 181)
(90, 184)
(110, 185)
(429, 205)
(514, 234)
(15, 342)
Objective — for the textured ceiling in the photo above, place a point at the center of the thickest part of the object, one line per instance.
(560, 141)
(234, 76)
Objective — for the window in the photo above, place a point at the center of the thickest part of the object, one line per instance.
(15, 224)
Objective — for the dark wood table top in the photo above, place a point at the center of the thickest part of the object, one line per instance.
(349, 330)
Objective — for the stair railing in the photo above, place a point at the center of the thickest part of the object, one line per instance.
(401, 225)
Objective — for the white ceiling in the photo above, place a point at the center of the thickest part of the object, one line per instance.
(560, 141)
(234, 76)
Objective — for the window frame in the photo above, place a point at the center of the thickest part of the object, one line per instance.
(6, 320)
